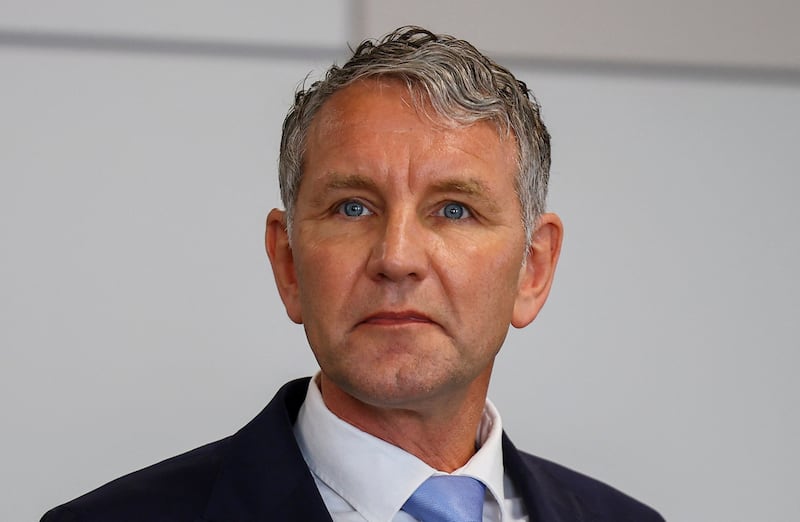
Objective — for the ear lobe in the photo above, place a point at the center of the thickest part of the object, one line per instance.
(536, 277)
(276, 241)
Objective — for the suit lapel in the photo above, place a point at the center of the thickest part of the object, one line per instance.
(263, 476)
(547, 500)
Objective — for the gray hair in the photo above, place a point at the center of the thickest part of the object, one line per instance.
(462, 86)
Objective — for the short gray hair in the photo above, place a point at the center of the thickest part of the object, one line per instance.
(461, 84)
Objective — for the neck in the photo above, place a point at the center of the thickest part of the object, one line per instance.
(440, 432)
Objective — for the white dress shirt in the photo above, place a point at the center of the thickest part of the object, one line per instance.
(363, 478)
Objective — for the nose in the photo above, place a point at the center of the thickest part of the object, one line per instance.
(400, 251)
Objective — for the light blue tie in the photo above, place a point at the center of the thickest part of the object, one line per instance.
(447, 498)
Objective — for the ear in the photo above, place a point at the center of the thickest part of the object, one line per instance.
(536, 277)
(276, 240)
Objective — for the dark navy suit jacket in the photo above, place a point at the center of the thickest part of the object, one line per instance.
(258, 474)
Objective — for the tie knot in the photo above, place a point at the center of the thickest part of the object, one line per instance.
(447, 498)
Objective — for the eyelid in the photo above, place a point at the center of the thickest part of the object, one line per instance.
(338, 208)
(468, 212)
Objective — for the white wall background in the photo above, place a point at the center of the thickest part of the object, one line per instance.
(138, 317)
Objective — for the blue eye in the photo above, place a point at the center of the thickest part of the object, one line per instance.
(354, 209)
(455, 211)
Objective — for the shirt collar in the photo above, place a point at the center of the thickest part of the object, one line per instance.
(376, 477)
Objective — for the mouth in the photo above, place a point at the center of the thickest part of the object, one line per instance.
(402, 318)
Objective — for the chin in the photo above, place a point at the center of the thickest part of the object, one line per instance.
(398, 388)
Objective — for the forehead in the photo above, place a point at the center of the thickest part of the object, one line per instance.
(379, 115)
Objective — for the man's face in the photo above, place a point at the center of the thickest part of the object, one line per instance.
(407, 252)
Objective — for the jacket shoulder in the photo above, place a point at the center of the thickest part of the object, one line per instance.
(174, 489)
(599, 501)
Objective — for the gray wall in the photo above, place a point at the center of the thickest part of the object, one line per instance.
(138, 317)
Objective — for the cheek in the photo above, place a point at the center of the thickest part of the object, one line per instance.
(486, 270)
(499, 287)
(326, 277)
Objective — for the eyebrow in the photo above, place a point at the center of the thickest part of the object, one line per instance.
(469, 187)
(348, 181)
(338, 181)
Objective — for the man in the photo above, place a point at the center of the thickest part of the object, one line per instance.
(414, 234)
